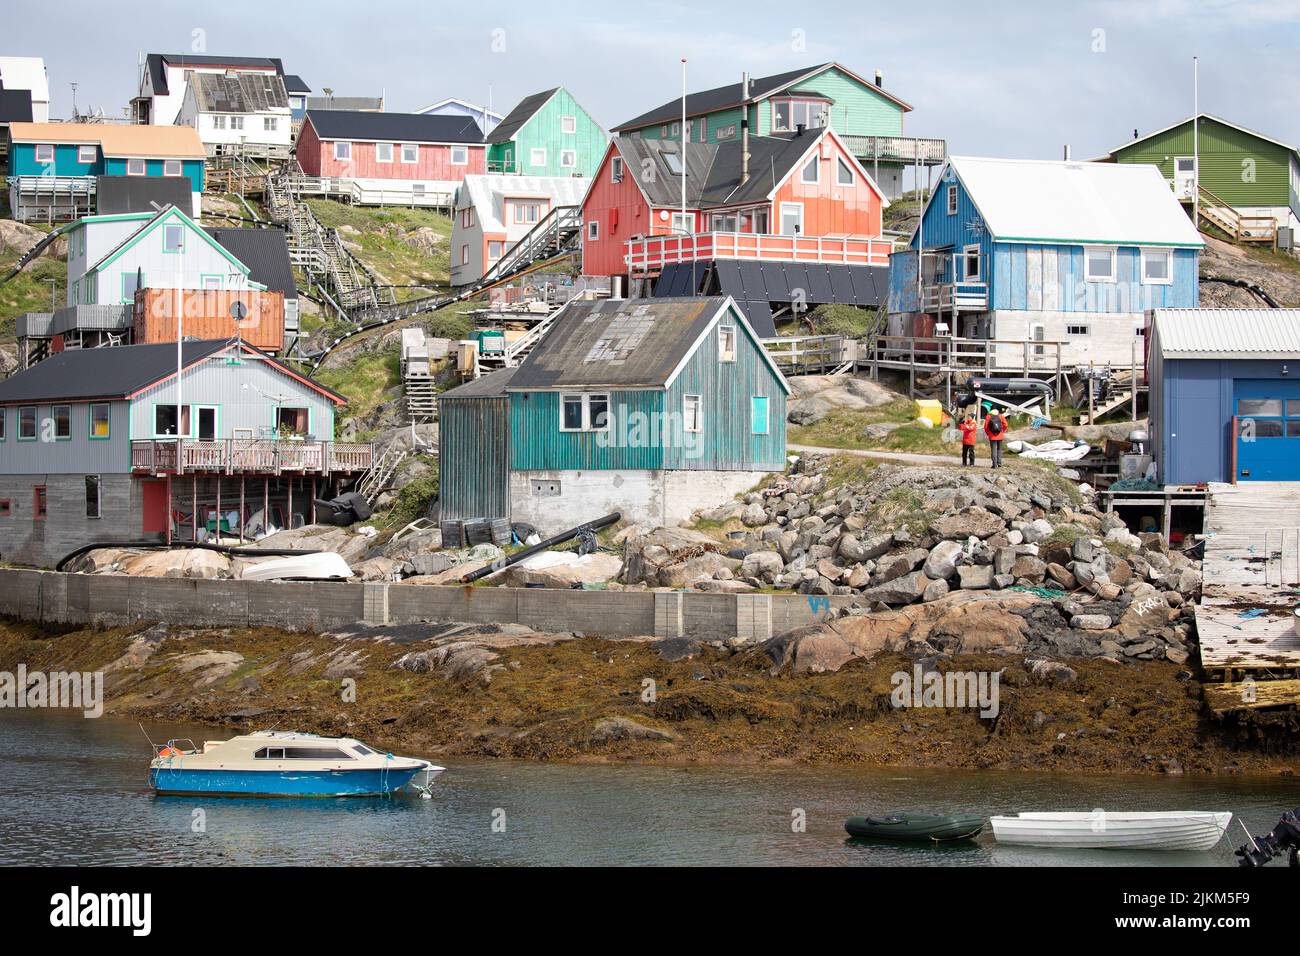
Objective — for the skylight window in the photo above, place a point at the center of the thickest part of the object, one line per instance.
(674, 162)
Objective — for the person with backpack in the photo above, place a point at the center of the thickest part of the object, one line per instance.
(995, 427)
(968, 429)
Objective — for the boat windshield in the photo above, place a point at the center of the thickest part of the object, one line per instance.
(362, 749)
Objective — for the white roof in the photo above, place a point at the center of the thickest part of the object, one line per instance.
(1228, 333)
(26, 73)
(1029, 200)
(487, 194)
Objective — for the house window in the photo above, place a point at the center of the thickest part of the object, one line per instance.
(92, 496)
(173, 238)
(27, 423)
(723, 222)
(844, 173)
(40, 503)
(130, 283)
(62, 422)
(383, 152)
(270, 123)
(212, 282)
(704, 129)
(675, 129)
(495, 250)
(4, 417)
(1157, 266)
(100, 421)
(812, 171)
(466, 218)
(970, 264)
(5, 509)
(410, 153)
(459, 156)
(171, 167)
(683, 223)
(218, 122)
(527, 212)
(674, 163)
(584, 412)
(616, 169)
(537, 156)
(1099, 264)
(593, 231)
(464, 255)
(236, 122)
(758, 424)
(787, 115)
(568, 159)
(292, 421)
(45, 153)
(417, 189)
(85, 154)
(164, 420)
(135, 167)
(725, 132)
(952, 200)
(693, 413)
(726, 343)
(663, 130)
(343, 152)
(568, 124)
(1078, 330)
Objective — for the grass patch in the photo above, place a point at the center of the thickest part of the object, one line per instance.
(29, 291)
(364, 381)
(412, 500)
(847, 320)
(846, 428)
(901, 508)
(849, 469)
(381, 242)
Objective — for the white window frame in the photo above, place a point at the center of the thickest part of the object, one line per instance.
(568, 159)
(966, 253)
(343, 151)
(593, 230)
(144, 167)
(270, 124)
(726, 343)
(616, 169)
(236, 122)
(464, 254)
(173, 164)
(843, 166)
(180, 237)
(379, 155)
(463, 153)
(81, 154)
(1078, 329)
(1168, 256)
(568, 124)
(782, 214)
(501, 249)
(815, 165)
(952, 200)
(697, 403)
(1087, 274)
(415, 147)
(218, 121)
(49, 158)
(725, 132)
(533, 156)
(682, 223)
(587, 424)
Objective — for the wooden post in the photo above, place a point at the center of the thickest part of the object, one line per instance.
(241, 509)
(313, 499)
(1091, 403)
(288, 518)
(169, 509)
(1133, 382)
(911, 368)
(218, 508)
(266, 505)
(1164, 524)
(194, 506)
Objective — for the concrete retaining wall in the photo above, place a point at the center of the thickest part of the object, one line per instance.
(47, 597)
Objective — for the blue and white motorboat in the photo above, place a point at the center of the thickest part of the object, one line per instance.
(274, 763)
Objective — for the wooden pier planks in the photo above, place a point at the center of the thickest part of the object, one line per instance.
(1252, 695)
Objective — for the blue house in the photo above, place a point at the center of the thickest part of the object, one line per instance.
(654, 408)
(53, 167)
(1225, 395)
(1029, 251)
(487, 119)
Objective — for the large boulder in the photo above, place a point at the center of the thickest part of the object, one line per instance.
(561, 569)
(902, 590)
(763, 565)
(349, 545)
(179, 563)
(970, 522)
(942, 562)
(692, 571)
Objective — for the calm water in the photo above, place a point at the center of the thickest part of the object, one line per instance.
(75, 791)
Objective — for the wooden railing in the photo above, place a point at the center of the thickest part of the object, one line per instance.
(947, 352)
(654, 252)
(1239, 227)
(812, 354)
(249, 456)
(956, 297)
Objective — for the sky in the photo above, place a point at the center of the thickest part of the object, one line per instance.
(993, 78)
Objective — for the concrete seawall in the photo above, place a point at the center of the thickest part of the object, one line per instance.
(48, 597)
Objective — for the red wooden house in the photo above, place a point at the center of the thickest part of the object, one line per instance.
(752, 228)
(408, 158)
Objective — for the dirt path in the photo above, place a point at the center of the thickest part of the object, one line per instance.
(903, 457)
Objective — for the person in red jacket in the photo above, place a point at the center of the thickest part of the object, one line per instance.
(995, 427)
(969, 427)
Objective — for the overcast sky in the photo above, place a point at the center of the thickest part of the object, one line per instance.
(995, 77)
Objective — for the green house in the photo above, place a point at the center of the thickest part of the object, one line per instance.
(1253, 174)
(547, 134)
(653, 408)
(867, 117)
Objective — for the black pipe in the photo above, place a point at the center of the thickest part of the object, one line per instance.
(158, 545)
(541, 546)
(1248, 286)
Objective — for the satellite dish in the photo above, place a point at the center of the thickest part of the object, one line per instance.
(238, 311)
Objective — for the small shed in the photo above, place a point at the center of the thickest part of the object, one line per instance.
(474, 448)
(1225, 394)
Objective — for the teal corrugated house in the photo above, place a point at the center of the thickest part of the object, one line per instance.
(547, 134)
(654, 408)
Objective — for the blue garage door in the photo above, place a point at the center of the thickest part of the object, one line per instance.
(1268, 429)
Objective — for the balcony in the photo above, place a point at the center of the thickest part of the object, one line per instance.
(954, 297)
(238, 456)
(652, 253)
(897, 149)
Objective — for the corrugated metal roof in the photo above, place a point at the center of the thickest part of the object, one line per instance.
(117, 139)
(617, 342)
(101, 373)
(293, 83)
(1228, 333)
(265, 252)
(239, 92)
(487, 194)
(491, 385)
(359, 103)
(154, 63)
(1060, 201)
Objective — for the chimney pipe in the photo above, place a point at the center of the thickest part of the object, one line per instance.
(744, 128)
(880, 79)
(798, 129)
(1135, 133)
(1067, 152)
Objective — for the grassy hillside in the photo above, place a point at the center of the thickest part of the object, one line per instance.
(29, 291)
(404, 247)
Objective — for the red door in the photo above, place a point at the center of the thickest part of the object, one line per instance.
(155, 507)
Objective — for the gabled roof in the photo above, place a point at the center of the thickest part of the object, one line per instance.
(1030, 200)
(143, 194)
(491, 385)
(158, 76)
(265, 252)
(26, 73)
(117, 140)
(168, 212)
(625, 343)
(15, 106)
(293, 83)
(471, 107)
(239, 92)
(1204, 116)
(486, 194)
(726, 97)
(394, 127)
(520, 115)
(1228, 333)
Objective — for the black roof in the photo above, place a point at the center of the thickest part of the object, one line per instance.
(723, 97)
(398, 127)
(15, 106)
(520, 115)
(121, 194)
(265, 252)
(101, 373)
(617, 342)
(293, 83)
(158, 76)
(491, 385)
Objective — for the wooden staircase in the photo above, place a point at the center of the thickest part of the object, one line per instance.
(1215, 212)
(380, 476)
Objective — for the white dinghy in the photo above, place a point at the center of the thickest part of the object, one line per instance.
(321, 566)
(1104, 830)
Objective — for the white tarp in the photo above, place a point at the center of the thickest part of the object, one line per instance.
(1058, 450)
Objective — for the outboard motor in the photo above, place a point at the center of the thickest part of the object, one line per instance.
(1283, 838)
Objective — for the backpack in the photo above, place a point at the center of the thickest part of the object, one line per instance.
(995, 425)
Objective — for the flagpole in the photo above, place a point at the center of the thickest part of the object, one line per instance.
(1196, 142)
(684, 142)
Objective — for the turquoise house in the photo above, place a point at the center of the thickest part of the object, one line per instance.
(547, 134)
(653, 408)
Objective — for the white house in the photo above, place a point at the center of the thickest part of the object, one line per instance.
(109, 257)
(28, 73)
(164, 78)
(495, 212)
(239, 112)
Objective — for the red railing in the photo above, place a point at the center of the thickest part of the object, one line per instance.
(249, 456)
(654, 252)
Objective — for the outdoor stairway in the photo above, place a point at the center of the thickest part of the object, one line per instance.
(234, 173)
(380, 476)
(557, 233)
(32, 253)
(1215, 212)
(518, 350)
(421, 398)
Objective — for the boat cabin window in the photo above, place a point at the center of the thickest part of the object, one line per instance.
(269, 753)
(302, 753)
(362, 749)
